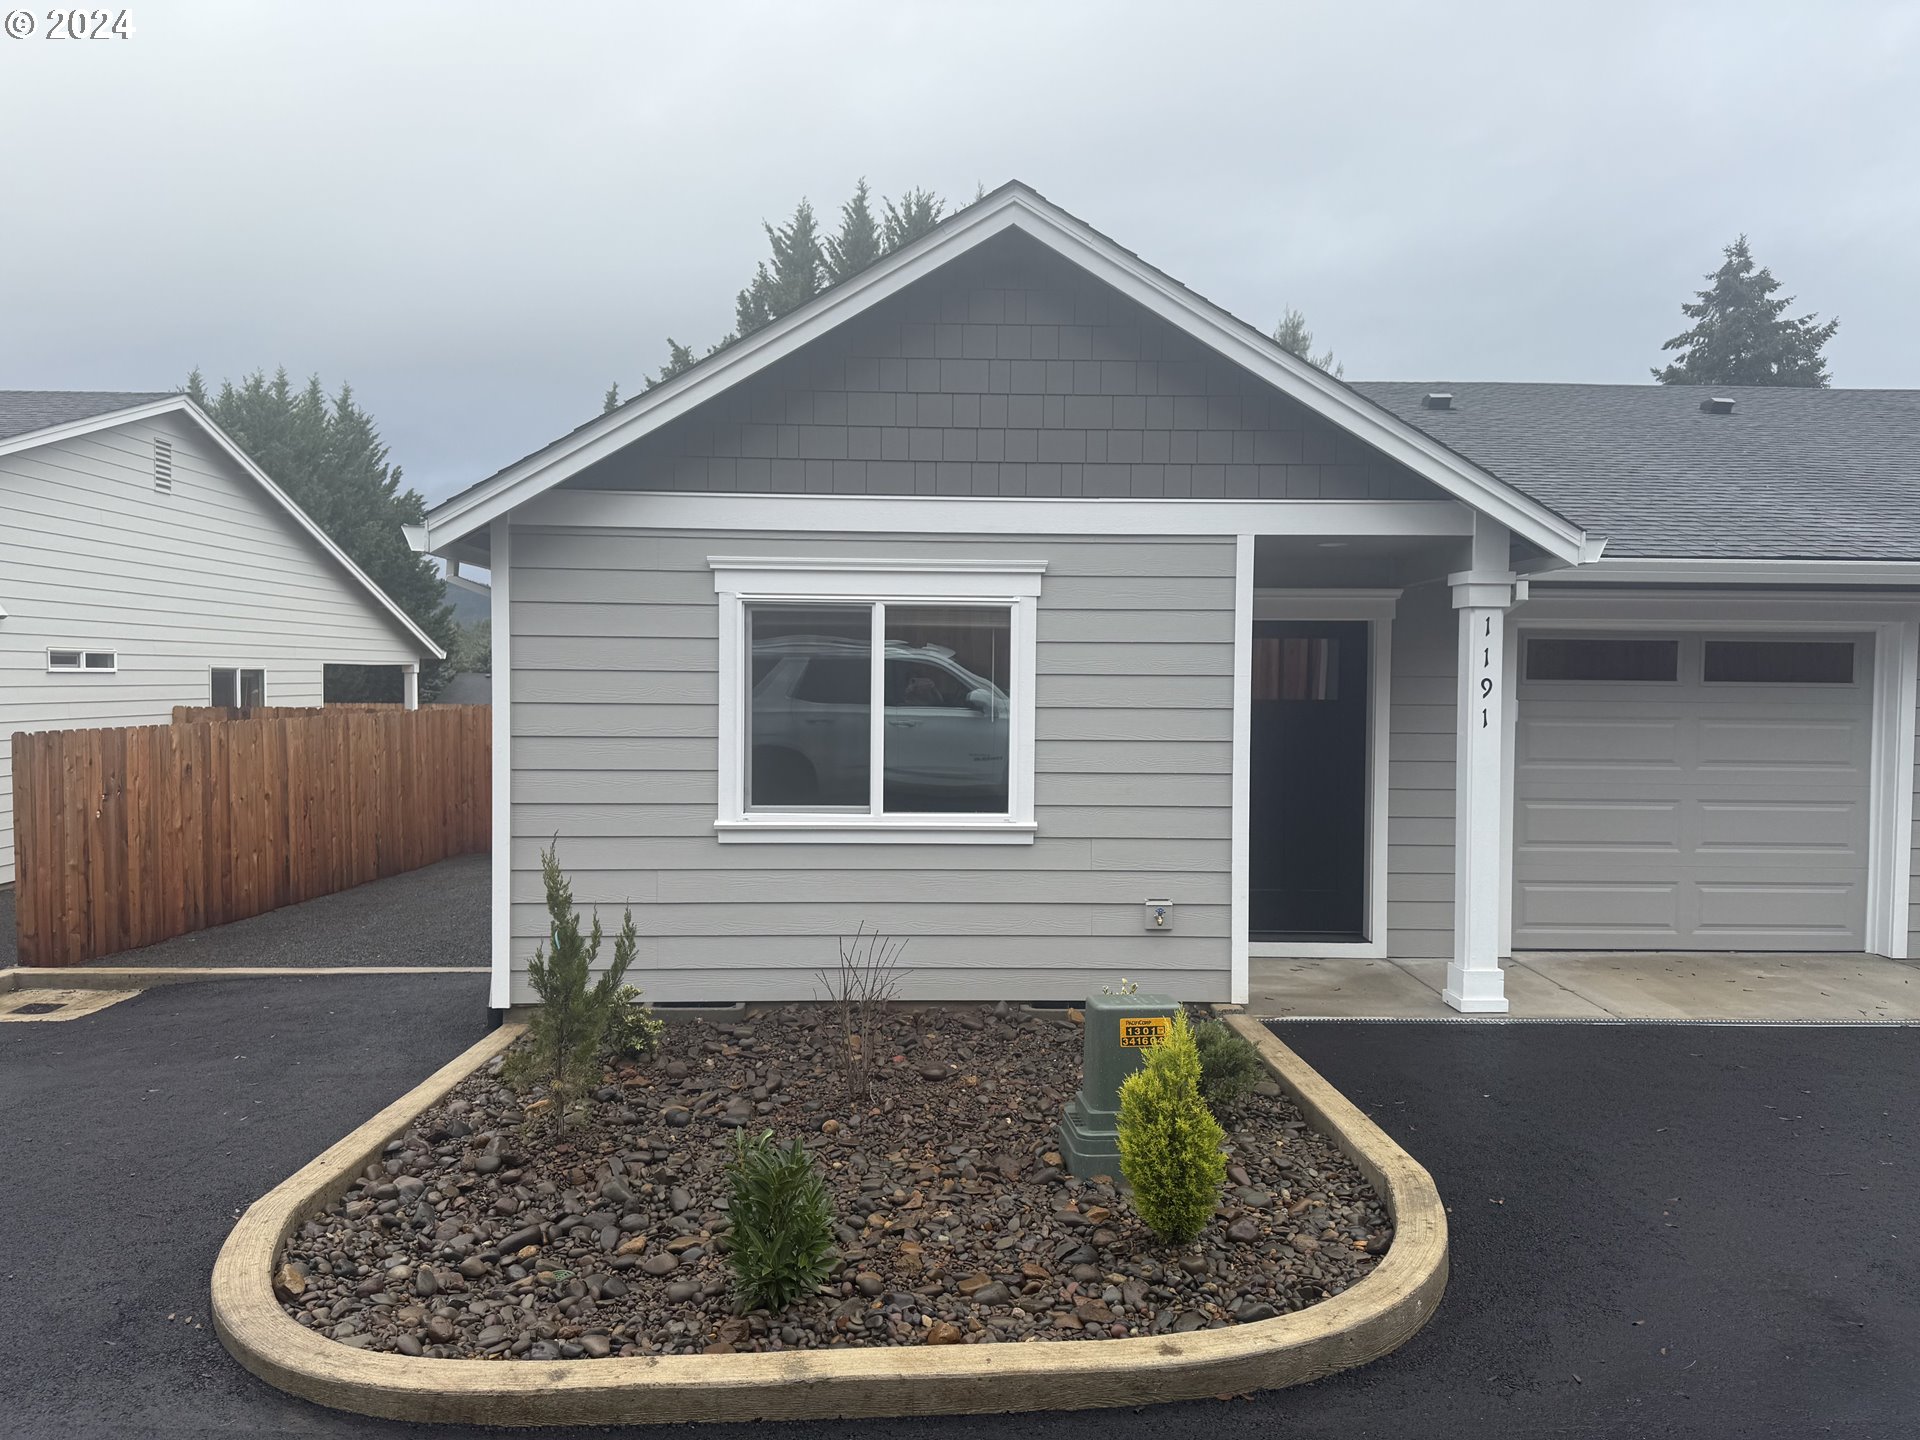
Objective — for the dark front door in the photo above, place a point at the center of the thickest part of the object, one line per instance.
(1308, 802)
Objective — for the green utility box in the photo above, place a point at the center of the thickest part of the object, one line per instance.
(1119, 1031)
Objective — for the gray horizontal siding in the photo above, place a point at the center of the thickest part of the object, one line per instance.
(615, 751)
(1420, 774)
(1007, 372)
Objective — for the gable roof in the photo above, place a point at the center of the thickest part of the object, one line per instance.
(1012, 207)
(24, 411)
(1789, 474)
(64, 414)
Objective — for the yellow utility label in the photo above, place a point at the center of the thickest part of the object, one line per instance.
(1142, 1032)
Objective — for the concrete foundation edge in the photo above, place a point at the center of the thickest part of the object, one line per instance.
(1374, 1317)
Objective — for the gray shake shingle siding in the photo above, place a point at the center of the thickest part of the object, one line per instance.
(1007, 373)
(615, 718)
(1791, 473)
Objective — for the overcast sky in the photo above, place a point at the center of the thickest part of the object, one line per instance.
(480, 214)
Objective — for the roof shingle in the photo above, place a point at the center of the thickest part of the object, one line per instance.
(24, 411)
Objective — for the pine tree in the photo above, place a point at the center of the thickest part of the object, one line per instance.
(1293, 336)
(329, 459)
(917, 213)
(679, 357)
(610, 402)
(858, 244)
(1742, 335)
(796, 274)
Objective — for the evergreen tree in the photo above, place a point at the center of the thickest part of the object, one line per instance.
(611, 400)
(1742, 335)
(797, 273)
(329, 459)
(1295, 338)
(917, 213)
(679, 357)
(858, 244)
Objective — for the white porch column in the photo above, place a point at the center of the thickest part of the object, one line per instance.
(410, 685)
(1481, 596)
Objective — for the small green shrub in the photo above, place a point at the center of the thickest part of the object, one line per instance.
(1169, 1141)
(633, 1030)
(781, 1247)
(562, 1049)
(1229, 1066)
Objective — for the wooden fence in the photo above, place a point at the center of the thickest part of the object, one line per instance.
(130, 836)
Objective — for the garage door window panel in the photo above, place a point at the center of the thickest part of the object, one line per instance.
(1778, 662)
(1606, 661)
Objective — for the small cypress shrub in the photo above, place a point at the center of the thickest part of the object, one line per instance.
(633, 1030)
(781, 1246)
(1229, 1066)
(564, 1037)
(1169, 1141)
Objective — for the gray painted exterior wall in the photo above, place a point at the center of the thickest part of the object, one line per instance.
(215, 573)
(615, 750)
(1420, 765)
(1013, 373)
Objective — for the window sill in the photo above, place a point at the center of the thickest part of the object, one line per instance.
(937, 830)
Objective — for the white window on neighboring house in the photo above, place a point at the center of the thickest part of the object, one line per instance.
(83, 662)
(233, 686)
(866, 700)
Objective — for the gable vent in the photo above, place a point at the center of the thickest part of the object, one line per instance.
(1717, 405)
(1436, 400)
(163, 465)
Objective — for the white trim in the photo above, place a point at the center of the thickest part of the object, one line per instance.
(1482, 597)
(410, 685)
(1015, 207)
(1241, 857)
(982, 515)
(1894, 622)
(182, 405)
(500, 982)
(1626, 570)
(83, 651)
(1376, 608)
(742, 580)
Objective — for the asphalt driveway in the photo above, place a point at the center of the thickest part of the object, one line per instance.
(1750, 1196)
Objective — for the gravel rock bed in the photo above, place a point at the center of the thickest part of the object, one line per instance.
(478, 1234)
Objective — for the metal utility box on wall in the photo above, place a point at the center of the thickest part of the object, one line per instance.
(1119, 1031)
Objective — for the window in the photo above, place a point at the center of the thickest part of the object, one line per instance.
(99, 662)
(236, 687)
(1296, 667)
(1603, 660)
(876, 700)
(1779, 662)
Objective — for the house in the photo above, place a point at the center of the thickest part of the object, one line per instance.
(146, 562)
(1013, 599)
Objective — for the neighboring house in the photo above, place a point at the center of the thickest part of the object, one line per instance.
(1426, 671)
(145, 562)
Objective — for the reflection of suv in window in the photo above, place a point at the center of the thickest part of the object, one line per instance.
(945, 727)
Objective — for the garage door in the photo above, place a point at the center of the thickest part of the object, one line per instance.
(1696, 792)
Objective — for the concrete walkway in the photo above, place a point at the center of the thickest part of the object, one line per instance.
(1613, 986)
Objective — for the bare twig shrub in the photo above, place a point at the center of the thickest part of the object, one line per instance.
(859, 989)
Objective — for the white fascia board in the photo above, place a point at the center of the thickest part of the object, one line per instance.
(981, 515)
(1626, 570)
(181, 404)
(1019, 210)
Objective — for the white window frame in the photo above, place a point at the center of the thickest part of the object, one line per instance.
(1376, 608)
(740, 581)
(83, 651)
(239, 692)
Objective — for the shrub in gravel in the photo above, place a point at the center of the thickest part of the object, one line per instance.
(1169, 1141)
(1229, 1066)
(781, 1247)
(633, 1030)
(562, 1048)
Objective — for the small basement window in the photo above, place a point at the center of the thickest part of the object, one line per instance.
(75, 662)
(237, 687)
(1603, 661)
(1779, 662)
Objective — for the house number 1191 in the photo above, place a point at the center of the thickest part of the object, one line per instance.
(1486, 663)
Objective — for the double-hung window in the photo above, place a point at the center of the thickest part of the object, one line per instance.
(875, 700)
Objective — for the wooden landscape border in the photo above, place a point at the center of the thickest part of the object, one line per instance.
(1376, 1315)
